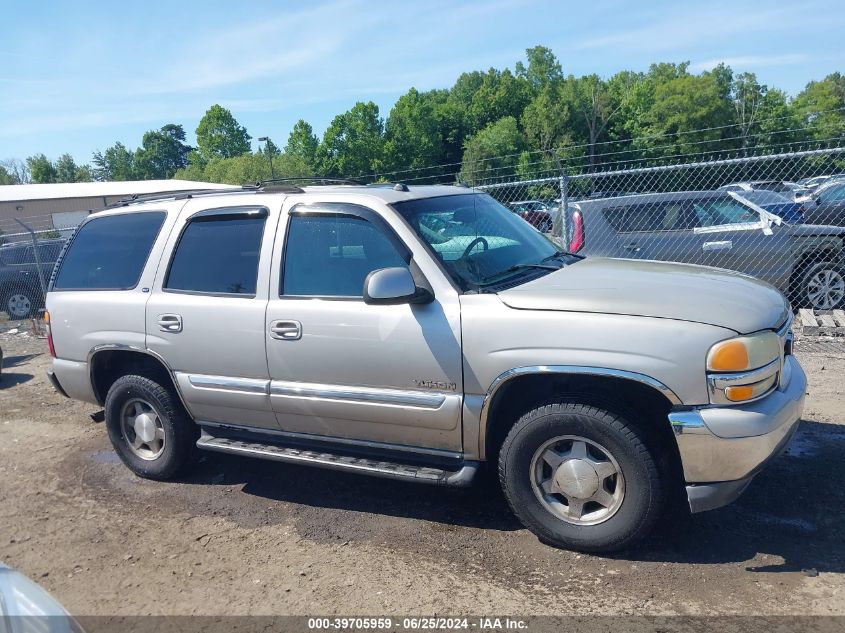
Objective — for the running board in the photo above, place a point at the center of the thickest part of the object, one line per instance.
(459, 478)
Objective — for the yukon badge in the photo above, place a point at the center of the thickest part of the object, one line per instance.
(435, 384)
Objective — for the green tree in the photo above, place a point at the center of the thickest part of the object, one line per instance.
(821, 107)
(543, 69)
(219, 135)
(116, 163)
(17, 170)
(594, 103)
(68, 171)
(493, 153)
(246, 168)
(686, 103)
(41, 168)
(162, 153)
(353, 144)
(413, 134)
(302, 144)
(7, 177)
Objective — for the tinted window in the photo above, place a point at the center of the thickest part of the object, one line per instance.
(49, 253)
(16, 255)
(331, 255)
(650, 217)
(764, 197)
(833, 194)
(218, 254)
(109, 253)
(722, 211)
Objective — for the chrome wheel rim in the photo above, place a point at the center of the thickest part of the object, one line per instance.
(577, 480)
(19, 305)
(826, 289)
(142, 429)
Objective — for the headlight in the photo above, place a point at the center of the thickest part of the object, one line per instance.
(743, 368)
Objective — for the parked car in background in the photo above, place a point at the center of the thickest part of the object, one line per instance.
(791, 190)
(815, 182)
(21, 293)
(719, 229)
(783, 207)
(830, 204)
(537, 213)
(413, 333)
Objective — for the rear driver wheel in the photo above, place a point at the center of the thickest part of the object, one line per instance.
(148, 427)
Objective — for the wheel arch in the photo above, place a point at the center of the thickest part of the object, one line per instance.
(107, 363)
(622, 392)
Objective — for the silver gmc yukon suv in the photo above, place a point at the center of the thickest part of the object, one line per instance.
(415, 333)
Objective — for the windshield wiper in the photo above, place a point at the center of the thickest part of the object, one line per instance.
(490, 279)
(554, 255)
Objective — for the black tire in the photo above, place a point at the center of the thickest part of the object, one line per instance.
(20, 303)
(180, 432)
(832, 300)
(644, 492)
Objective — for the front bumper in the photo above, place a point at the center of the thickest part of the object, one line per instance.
(722, 448)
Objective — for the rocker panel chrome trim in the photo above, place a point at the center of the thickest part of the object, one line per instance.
(392, 397)
(228, 383)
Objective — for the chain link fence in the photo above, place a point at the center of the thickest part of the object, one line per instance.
(778, 217)
(29, 249)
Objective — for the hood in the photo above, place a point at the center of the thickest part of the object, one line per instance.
(655, 289)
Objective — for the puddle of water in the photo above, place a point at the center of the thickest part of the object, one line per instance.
(106, 457)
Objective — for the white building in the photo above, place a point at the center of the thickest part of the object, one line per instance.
(63, 206)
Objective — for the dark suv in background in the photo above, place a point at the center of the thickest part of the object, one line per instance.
(721, 229)
(20, 287)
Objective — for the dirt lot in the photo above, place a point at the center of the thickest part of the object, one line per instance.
(240, 536)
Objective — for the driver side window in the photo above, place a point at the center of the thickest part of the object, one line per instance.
(330, 255)
(721, 212)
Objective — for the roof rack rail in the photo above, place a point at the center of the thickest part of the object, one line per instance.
(305, 179)
(164, 195)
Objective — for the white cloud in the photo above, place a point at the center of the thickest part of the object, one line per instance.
(750, 61)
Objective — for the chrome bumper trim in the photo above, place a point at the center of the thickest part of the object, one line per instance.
(719, 444)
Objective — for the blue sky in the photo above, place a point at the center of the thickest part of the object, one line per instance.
(77, 77)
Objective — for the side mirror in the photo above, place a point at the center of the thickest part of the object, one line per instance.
(392, 286)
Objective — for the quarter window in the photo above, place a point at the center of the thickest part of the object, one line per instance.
(218, 254)
(109, 253)
(330, 255)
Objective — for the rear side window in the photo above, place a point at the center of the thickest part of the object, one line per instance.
(218, 254)
(109, 253)
(649, 217)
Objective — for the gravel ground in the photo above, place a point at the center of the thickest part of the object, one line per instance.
(239, 536)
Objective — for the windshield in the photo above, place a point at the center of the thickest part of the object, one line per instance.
(764, 197)
(478, 241)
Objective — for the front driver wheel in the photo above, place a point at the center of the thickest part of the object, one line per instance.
(580, 478)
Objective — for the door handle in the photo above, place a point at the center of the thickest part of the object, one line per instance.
(286, 330)
(170, 323)
(724, 245)
(633, 246)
